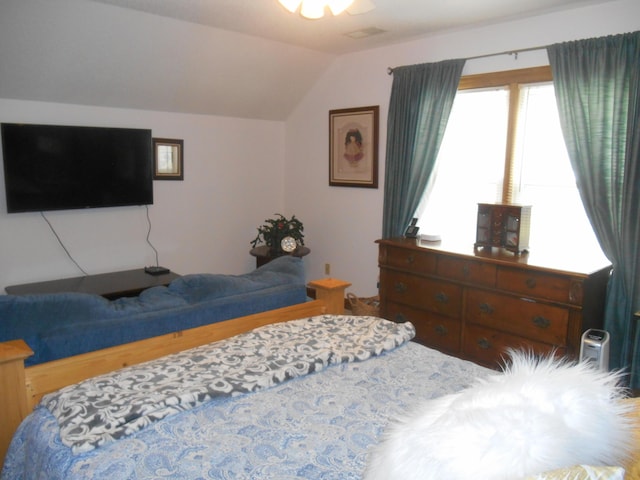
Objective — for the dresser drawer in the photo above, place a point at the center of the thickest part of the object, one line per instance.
(489, 347)
(533, 320)
(433, 330)
(471, 271)
(412, 260)
(559, 288)
(438, 297)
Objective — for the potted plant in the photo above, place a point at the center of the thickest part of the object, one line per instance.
(274, 230)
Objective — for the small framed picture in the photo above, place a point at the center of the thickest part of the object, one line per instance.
(353, 147)
(168, 156)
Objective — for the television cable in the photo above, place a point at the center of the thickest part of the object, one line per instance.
(61, 243)
(149, 235)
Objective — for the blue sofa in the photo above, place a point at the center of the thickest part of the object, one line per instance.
(64, 324)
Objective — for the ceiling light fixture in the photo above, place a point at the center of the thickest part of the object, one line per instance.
(314, 9)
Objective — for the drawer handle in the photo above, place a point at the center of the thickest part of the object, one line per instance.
(531, 282)
(466, 270)
(400, 287)
(441, 297)
(400, 318)
(486, 308)
(541, 322)
(410, 259)
(484, 344)
(441, 330)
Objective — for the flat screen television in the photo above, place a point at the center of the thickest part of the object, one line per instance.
(54, 167)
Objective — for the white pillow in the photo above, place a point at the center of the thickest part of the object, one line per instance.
(581, 472)
(540, 414)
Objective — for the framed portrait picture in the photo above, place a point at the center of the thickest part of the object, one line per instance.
(168, 155)
(353, 147)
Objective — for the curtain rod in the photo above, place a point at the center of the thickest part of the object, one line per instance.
(486, 55)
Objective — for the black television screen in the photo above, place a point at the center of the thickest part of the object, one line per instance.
(52, 167)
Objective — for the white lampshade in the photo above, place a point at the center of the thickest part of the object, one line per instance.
(314, 9)
(291, 5)
(339, 6)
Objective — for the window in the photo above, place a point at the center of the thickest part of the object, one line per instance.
(504, 144)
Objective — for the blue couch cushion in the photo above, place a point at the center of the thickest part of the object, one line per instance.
(27, 313)
(31, 317)
(285, 270)
(150, 300)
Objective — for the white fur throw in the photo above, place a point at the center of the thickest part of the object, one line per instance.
(540, 414)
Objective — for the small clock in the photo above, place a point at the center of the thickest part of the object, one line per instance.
(288, 244)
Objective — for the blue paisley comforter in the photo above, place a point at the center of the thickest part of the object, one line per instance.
(252, 407)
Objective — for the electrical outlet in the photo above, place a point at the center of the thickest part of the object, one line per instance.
(327, 269)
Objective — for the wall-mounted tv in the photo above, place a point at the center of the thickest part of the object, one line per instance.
(54, 167)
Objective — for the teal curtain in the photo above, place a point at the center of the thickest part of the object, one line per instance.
(597, 85)
(419, 108)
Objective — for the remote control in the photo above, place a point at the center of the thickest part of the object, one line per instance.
(156, 270)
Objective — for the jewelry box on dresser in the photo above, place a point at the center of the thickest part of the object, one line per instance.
(503, 226)
(475, 304)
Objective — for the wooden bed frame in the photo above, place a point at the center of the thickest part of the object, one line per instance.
(21, 388)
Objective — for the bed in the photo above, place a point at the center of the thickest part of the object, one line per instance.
(316, 425)
(307, 394)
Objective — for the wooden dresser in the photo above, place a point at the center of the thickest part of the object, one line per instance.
(474, 305)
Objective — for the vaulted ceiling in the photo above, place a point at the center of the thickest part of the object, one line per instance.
(393, 20)
(241, 58)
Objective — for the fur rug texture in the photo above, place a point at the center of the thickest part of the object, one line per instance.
(540, 414)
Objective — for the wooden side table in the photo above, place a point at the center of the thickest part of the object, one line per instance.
(263, 255)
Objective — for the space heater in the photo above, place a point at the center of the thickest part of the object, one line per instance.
(595, 348)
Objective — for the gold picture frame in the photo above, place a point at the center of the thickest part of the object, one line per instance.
(168, 159)
(353, 147)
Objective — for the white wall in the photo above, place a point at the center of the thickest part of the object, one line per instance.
(342, 223)
(233, 181)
